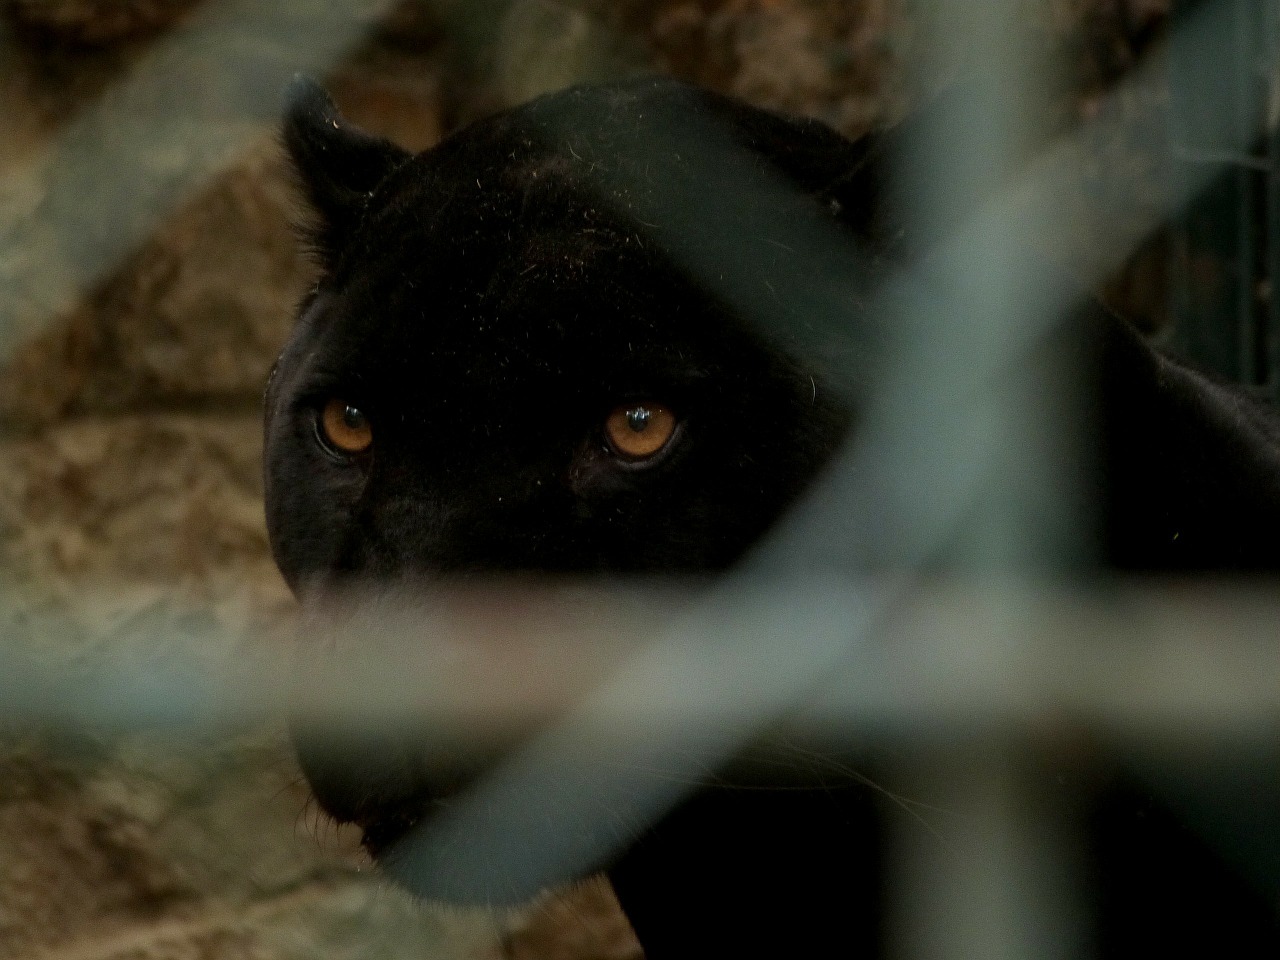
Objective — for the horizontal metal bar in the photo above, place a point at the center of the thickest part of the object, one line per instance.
(857, 659)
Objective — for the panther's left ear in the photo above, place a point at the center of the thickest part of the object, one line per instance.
(864, 196)
(854, 179)
(337, 164)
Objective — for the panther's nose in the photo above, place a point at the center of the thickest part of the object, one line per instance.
(383, 780)
(354, 775)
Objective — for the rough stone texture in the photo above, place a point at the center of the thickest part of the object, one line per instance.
(169, 329)
(834, 60)
(165, 498)
(95, 22)
(130, 517)
(583, 923)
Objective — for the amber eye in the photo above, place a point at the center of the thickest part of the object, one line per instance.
(637, 431)
(345, 427)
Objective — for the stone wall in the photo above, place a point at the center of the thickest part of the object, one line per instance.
(149, 276)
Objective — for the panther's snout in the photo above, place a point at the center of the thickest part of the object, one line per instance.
(405, 698)
(356, 778)
(381, 776)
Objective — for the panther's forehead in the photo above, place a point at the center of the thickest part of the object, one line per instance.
(520, 281)
(519, 207)
(573, 239)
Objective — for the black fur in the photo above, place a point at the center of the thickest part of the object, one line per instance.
(488, 302)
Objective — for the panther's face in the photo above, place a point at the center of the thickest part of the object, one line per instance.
(507, 371)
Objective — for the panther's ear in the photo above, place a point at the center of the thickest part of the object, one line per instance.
(878, 192)
(864, 195)
(337, 164)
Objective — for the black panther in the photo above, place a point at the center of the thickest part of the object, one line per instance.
(592, 339)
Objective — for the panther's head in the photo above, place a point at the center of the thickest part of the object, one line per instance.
(565, 344)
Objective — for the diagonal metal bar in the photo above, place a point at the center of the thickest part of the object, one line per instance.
(180, 115)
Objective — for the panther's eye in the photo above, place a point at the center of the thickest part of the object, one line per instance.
(345, 427)
(637, 431)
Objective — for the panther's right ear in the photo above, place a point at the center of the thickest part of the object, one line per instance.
(879, 193)
(337, 164)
